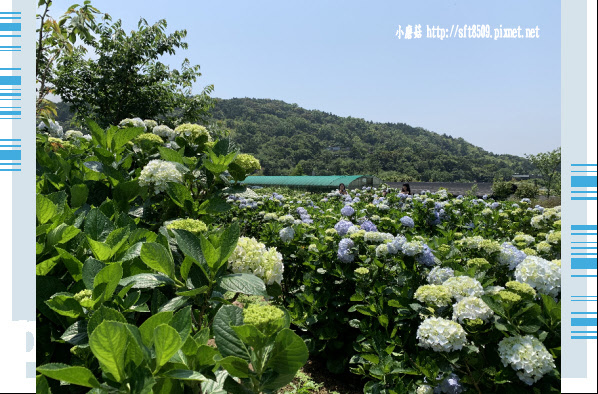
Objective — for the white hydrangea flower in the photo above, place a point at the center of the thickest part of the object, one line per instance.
(286, 219)
(438, 275)
(377, 237)
(150, 124)
(471, 308)
(441, 335)
(135, 122)
(270, 216)
(287, 234)
(252, 257)
(526, 355)
(164, 132)
(381, 250)
(523, 239)
(464, 286)
(158, 173)
(53, 128)
(70, 134)
(413, 248)
(541, 274)
(424, 389)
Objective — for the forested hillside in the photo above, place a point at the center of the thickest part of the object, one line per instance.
(290, 140)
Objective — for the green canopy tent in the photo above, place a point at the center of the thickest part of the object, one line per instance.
(320, 183)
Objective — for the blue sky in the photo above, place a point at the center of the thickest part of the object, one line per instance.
(343, 57)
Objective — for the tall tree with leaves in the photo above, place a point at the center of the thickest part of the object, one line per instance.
(125, 78)
(56, 38)
(549, 166)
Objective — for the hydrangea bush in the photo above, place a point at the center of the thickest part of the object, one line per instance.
(148, 227)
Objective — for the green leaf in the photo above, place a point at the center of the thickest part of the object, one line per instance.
(79, 194)
(142, 381)
(127, 191)
(103, 314)
(97, 134)
(97, 225)
(76, 334)
(108, 342)
(170, 155)
(243, 283)
(235, 366)
(494, 305)
(167, 342)
(75, 375)
(44, 208)
(174, 304)
(73, 265)
(157, 258)
(191, 247)
(132, 252)
(100, 250)
(194, 292)
(250, 335)
(185, 374)
(210, 252)
(61, 234)
(227, 340)
(190, 347)
(147, 281)
(41, 385)
(228, 242)
(90, 269)
(122, 136)
(65, 305)
(148, 326)
(181, 322)
(179, 194)
(214, 205)
(46, 266)
(289, 353)
(110, 275)
(186, 267)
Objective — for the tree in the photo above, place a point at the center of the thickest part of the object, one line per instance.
(56, 39)
(549, 166)
(125, 78)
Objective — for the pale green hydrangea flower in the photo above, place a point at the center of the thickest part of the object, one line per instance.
(192, 225)
(252, 257)
(436, 295)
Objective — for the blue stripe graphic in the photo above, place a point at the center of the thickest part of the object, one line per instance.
(10, 27)
(584, 181)
(10, 80)
(583, 322)
(6, 154)
(583, 227)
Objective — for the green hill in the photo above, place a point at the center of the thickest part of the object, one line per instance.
(288, 139)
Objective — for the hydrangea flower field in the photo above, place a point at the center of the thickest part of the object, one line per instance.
(146, 240)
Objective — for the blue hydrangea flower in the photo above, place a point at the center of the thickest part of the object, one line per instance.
(347, 210)
(494, 205)
(301, 211)
(407, 222)
(342, 226)
(344, 250)
(450, 385)
(426, 257)
(368, 226)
